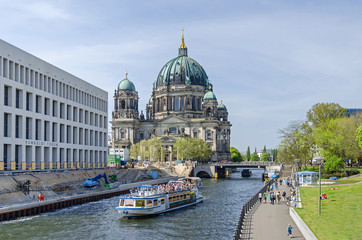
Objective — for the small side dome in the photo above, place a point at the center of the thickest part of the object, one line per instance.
(126, 84)
(221, 106)
(150, 101)
(209, 96)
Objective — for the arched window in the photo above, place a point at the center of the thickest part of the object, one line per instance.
(123, 104)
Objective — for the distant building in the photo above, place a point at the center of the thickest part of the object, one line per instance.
(353, 111)
(49, 118)
(182, 104)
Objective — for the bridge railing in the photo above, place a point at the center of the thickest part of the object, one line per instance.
(261, 163)
(242, 231)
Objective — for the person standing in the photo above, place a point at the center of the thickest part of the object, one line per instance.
(260, 197)
(264, 194)
(290, 231)
(283, 195)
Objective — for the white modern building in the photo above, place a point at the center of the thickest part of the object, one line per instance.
(49, 119)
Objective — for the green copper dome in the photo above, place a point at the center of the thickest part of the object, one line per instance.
(126, 84)
(182, 70)
(221, 106)
(209, 96)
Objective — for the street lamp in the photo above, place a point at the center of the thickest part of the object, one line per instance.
(297, 179)
(319, 161)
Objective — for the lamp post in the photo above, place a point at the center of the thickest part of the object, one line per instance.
(297, 179)
(319, 160)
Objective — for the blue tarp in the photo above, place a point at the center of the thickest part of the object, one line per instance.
(333, 178)
(274, 176)
(154, 174)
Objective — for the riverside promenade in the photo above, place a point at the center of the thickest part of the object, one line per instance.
(271, 221)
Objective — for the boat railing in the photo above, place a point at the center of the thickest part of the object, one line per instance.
(243, 226)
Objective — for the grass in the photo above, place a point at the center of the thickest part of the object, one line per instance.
(340, 217)
(351, 179)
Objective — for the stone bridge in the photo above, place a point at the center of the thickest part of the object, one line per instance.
(220, 168)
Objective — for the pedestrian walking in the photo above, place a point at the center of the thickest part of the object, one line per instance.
(283, 195)
(271, 197)
(260, 197)
(264, 194)
(290, 231)
(278, 197)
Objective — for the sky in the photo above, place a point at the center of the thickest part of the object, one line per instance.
(269, 61)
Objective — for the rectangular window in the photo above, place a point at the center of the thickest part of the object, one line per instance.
(75, 111)
(81, 115)
(5, 68)
(17, 72)
(21, 74)
(11, 70)
(55, 108)
(62, 133)
(69, 132)
(7, 96)
(46, 130)
(37, 129)
(7, 122)
(86, 139)
(19, 99)
(46, 106)
(62, 110)
(29, 101)
(28, 130)
(54, 132)
(69, 112)
(86, 117)
(182, 103)
(18, 126)
(75, 136)
(177, 103)
(38, 104)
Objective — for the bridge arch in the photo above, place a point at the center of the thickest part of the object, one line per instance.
(203, 174)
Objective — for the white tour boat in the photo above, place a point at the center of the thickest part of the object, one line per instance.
(149, 200)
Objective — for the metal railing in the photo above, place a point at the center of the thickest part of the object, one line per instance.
(243, 226)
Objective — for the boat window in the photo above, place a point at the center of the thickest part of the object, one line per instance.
(129, 203)
(178, 197)
(185, 196)
(170, 199)
(162, 201)
(140, 203)
(188, 196)
(155, 202)
(121, 204)
(174, 198)
(149, 203)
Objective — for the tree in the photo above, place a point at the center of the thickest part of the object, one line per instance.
(255, 157)
(248, 157)
(191, 148)
(235, 155)
(323, 112)
(333, 164)
(359, 136)
(297, 142)
(264, 149)
(265, 156)
(275, 154)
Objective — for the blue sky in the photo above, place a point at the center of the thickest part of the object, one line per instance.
(269, 61)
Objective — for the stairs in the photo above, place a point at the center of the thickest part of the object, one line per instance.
(287, 171)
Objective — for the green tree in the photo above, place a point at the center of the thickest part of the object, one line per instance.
(275, 154)
(248, 156)
(255, 157)
(192, 149)
(323, 112)
(359, 136)
(264, 149)
(297, 143)
(333, 164)
(235, 155)
(265, 156)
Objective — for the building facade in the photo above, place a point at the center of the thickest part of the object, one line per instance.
(49, 118)
(182, 104)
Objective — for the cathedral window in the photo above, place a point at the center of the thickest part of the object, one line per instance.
(123, 104)
(177, 104)
(195, 134)
(182, 103)
(172, 130)
(122, 135)
(209, 135)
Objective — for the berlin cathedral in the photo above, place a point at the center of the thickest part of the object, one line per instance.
(182, 104)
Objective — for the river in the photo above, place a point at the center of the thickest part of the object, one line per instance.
(215, 218)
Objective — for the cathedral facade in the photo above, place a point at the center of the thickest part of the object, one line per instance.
(182, 104)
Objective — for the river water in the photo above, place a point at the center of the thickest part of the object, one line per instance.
(215, 218)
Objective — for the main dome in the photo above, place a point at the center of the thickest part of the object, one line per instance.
(182, 70)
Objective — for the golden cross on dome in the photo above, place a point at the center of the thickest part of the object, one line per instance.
(126, 74)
